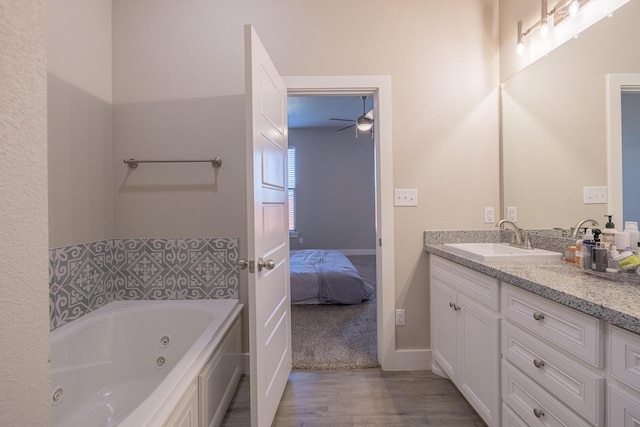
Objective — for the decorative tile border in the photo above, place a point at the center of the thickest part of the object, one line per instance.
(87, 276)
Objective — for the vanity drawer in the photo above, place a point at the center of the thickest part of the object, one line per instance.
(581, 389)
(533, 404)
(625, 356)
(480, 287)
(575, 332)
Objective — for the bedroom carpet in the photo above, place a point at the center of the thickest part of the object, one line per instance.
(337, 336)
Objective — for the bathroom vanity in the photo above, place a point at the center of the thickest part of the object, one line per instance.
(536, 342)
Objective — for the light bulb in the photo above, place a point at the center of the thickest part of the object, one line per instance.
(520, 48)
(544, 29)
(574, 7)
(364, 124)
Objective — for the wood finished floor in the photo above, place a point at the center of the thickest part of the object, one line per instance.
(361, 397)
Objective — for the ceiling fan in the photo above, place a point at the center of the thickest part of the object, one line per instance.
(363, 123)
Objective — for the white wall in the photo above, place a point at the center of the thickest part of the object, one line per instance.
(79, 121)
(24, 320)
(335, 189)
(176, 59)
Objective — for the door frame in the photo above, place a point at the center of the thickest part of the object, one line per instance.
(616, 83)
(380, 88)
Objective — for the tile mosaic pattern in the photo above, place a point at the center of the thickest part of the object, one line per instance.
(87, 276)
(80, 280)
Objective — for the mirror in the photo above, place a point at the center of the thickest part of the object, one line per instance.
(554, 124)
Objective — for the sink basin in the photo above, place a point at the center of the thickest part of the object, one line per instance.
(500, 252)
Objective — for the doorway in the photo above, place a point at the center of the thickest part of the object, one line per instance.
(332, 226)
(379, 87)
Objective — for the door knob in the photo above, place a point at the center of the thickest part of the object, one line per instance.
(243, 264)
(268, 264)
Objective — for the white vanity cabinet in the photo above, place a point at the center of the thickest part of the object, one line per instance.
(521, 359)
(624, 385)
(553, 360)
(465, 333)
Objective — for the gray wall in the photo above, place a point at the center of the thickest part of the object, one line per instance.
(335, 185)
(630, 157)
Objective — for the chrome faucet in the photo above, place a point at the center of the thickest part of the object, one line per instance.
(576, 230)
(516, 230)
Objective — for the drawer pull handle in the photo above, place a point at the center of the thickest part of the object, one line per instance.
(539, 413)
(538, 316)
(455, 307)
(538, 363)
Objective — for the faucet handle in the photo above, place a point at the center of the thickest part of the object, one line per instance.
(527, 241)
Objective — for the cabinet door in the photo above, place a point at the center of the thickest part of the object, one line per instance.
(624, 409)
(444, 340)
(479, 358)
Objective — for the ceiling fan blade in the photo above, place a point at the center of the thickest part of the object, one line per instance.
(343, 120)
(369, 114)
(346, 127)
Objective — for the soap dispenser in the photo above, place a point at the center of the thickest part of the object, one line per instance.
(609, 233)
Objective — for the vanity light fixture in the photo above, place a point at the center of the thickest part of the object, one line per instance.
(563, 10)
(544, 19)
(567, 9)
(520, 46)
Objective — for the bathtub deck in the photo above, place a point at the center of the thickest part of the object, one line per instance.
(369, 397)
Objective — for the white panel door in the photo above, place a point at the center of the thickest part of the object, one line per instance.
(268, 232)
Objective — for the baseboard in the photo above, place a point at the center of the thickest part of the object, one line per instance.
(245, 365)
(358, 251)
(436, 369)
(410, 360)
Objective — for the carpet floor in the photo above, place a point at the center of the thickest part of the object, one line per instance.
(337, 336)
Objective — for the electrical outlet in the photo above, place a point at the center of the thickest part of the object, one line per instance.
(400, 318)
(300, 240)
(512, 214)
(405, 197)
(489, 215)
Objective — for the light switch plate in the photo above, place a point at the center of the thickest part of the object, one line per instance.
(595, 195)
(405, 197)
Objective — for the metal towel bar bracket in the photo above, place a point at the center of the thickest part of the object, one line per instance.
(216, 162)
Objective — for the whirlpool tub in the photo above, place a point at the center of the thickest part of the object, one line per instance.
(146, 363)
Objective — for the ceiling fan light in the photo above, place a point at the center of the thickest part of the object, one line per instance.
(364, 124)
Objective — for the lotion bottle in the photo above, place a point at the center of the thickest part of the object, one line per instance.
(609, 233)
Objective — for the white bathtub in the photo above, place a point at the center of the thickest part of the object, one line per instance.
(129, 363)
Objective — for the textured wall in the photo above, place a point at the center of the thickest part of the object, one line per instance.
(24, 332)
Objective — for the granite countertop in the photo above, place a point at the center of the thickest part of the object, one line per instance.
(616, 302)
